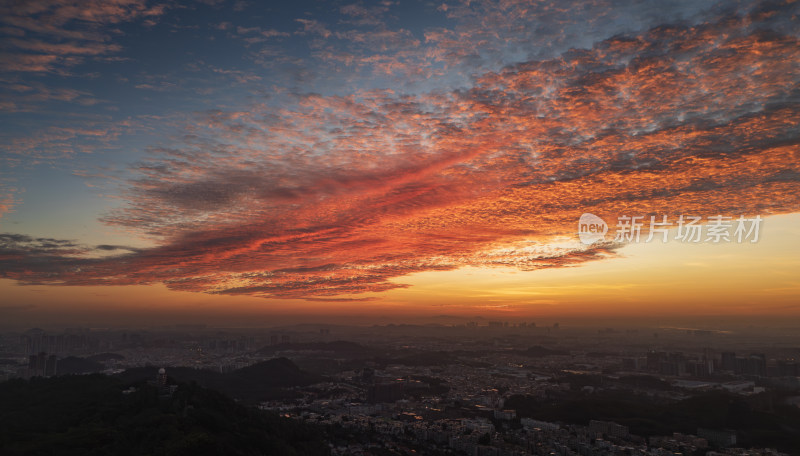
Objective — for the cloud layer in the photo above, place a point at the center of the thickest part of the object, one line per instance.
(342, 195)
(53, 35)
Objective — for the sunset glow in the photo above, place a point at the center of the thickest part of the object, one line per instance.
(394, 160)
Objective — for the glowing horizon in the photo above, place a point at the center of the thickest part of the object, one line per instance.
(359, 159)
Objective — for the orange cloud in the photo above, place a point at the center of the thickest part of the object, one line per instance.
(342, 195)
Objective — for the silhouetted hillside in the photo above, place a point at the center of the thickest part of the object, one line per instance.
(102, 357)
(89, 415)
(276, 372)
(75, 365)
(261, 381)
(340, 347)
(759, 421)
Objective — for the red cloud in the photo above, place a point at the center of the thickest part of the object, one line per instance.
(344, 194)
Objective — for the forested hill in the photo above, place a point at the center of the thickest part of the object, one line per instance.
(261, 381)
(90, 415)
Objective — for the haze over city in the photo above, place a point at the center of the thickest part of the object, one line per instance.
(225, 161)
(400, 227)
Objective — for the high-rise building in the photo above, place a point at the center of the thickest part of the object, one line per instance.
(728, 361)
(32, 361)
(654, 360)
(788, 369)
(51, 366)
(757, 365)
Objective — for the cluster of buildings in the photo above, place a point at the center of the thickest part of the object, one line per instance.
(394, 427)
(461, 404)
(472, 419)
(40, 365)
(706, 365)
(76, 340)
(190, 346)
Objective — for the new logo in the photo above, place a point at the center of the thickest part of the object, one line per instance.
(591, 228)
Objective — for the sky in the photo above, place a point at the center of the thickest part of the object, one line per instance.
(245, 162)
